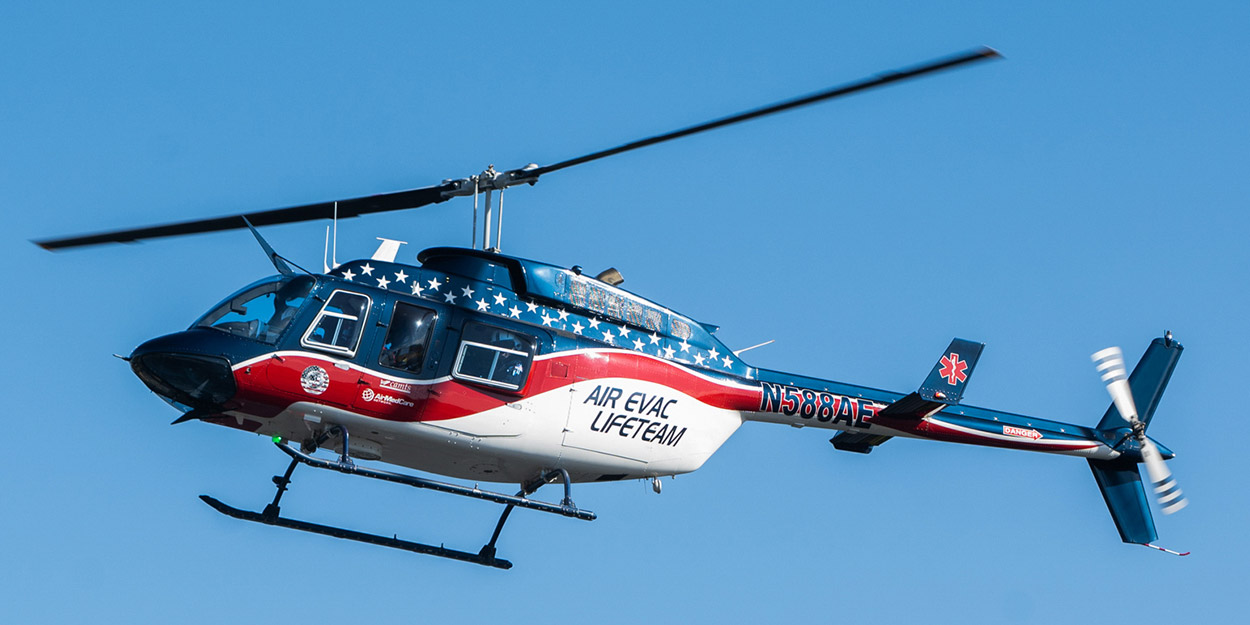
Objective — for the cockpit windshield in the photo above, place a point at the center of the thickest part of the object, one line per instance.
(262, 310)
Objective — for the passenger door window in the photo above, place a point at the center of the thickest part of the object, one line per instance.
(494, 356)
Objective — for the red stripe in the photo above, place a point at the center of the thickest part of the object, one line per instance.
(275, 382)
(942, 432)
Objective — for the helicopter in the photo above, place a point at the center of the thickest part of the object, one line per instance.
(476, 365)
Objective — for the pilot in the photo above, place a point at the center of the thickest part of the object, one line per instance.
(405, 346)
(285, 304)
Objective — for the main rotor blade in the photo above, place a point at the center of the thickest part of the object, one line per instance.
(416, 198)
(879, 80)
(413, 198)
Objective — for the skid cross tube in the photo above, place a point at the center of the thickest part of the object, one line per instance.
(488, 551)
(566, 508)
(486, 557)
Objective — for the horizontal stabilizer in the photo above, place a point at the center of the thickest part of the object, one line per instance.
(858, 442)
(944, 386)
(913, 406)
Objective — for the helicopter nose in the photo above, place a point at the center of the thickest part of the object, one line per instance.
(174, 372)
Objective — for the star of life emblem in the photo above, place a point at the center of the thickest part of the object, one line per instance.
(953, 369)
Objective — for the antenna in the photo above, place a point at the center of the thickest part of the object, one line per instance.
(388, 250)
(473, 240)
(329, 261)
(499, 228)
(325, 256)
(738, 352)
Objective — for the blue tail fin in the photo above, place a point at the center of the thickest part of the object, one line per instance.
(949, 377)
(1119, 480)
(1120, 483)
(1148, 380)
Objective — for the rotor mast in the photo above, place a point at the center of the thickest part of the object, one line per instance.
(486, 183)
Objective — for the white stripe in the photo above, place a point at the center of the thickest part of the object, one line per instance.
(1173, 507)
(676, 365)
(335, 361)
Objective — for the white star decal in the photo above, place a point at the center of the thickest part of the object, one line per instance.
(638, 343)
(348, 275)
(401, 276)
(366, 270)
(467, 291)
(531, 307)
(547, 320)
(655, 338)
(668, 352)
(382, 282)
(416, 288)
(609, 338)
(482, 305)
(594, 323)
(685, 347)
(727, 362)
(500, 299)
(435, 284)
(514, 312)
(564, 314)
(449, 297)
(577, 327)
(624, 331)
(712, 355)
(698, 360)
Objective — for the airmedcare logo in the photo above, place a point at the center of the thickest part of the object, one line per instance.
(370, 395)
(315, 380)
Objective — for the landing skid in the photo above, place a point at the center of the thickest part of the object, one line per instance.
(485, 557)
(373, 539)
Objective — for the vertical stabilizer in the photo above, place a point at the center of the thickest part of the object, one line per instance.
(1120, 480)
(1148, 381)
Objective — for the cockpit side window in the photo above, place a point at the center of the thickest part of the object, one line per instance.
(407, 338)
(337, 327)
(494, 356)
(261, 311)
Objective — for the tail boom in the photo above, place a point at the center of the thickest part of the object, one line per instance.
(806, 402)
(867, 418)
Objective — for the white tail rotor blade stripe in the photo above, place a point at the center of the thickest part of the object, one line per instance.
(1167, 491)
(1110, 362)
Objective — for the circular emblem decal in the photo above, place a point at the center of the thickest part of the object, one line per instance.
(367, 394)
(315, 380)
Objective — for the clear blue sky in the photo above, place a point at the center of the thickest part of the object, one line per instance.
(1089, 190)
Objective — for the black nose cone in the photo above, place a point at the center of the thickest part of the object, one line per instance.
(195, 380)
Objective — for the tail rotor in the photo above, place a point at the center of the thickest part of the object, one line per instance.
(1110, 363)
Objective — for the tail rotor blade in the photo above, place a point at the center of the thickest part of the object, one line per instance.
(1167, 491)
(1110, 363)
